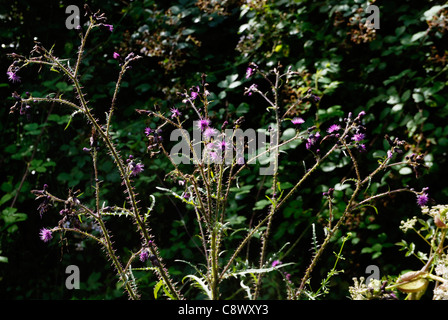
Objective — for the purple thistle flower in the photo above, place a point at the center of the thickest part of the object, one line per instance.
(333, 128)
(249, 72)
(312, 139)
(144, 255)
(422, 199)
(13, 77)
(223, 145)
(210, 132)
(297, 121)
(148, 131)
(214, 156)
(276, 263)
(175, 113)
(309, 144)
(358, 137)
(194, 92)
(137, 169)
(203, 124)
(45, 235)
(194, 95)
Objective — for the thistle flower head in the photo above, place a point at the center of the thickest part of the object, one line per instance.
(358, 137)
(175, 113)
(203, 124)
(209, 133)
(194, 92)
(296, 121)
(144, 255)
(45, 235)
(148, 131)
(249, 72)
(276, 263)
(222, 145)
(333, 128)
(13, 77)
(422, 199)
(312, 140)
(214, 156)
(137, 169)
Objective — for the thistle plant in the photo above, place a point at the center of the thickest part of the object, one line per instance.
(73, 209)
(208, 168)
(208, 186)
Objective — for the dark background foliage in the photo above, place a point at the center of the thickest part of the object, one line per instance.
(397, 75)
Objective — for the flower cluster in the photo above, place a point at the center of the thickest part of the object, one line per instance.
(376, 290)
(45, 204)
(408, 224)
(195, 93)
(154, 138)
(144, 255)
(441, 292)
(441, 269)
(358, 135)
(312, 139)
(417, 162)
(23, 107)
(439, 213)
(134, 168)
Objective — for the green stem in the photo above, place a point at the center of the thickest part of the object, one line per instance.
(273, 208)
(214, 282)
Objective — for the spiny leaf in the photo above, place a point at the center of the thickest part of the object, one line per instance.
(247, 289)
(70, 119)
(176, 195)
(153, 202)
(200, 284)
(256, 270)
(157, 288)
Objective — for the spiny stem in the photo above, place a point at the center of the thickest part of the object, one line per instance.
(120, 165)
(277, 134)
